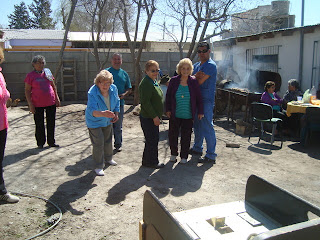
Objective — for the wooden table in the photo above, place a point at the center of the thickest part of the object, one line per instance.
(299, 107)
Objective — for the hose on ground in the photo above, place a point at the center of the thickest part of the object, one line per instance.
(46, 200)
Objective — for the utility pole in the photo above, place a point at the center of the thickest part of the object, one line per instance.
(301, 44)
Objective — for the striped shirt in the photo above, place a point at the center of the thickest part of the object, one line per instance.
(183, 109)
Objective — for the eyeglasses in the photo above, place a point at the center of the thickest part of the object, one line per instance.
(39, 62)
(105, 83)
(203, 51)
(153, 71)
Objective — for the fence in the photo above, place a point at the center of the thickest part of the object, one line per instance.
(18, 64)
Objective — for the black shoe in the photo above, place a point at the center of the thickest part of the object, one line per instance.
(159, 165)
(118, 149)
(191, 151)
(206, 160)
(54, 145)
(40, 147)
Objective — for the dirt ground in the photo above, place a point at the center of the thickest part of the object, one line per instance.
(110, 207)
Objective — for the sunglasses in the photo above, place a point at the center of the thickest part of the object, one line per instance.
(203, 51)
(153, 71)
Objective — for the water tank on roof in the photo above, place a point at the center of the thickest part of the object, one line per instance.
(280, 7)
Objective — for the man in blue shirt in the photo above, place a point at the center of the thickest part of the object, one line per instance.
(205, 72)
(122, 81)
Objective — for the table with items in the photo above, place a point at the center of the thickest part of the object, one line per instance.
(300, 107)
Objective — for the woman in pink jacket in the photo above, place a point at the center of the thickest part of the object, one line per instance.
(4, 95)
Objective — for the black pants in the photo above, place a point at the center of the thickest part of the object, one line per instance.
(3, 139)
(39, 121)
(183, 126)
(151, 135)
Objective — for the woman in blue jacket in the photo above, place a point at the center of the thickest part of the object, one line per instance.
(102, 110)
(183, 104)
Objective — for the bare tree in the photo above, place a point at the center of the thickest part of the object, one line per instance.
(180, 13)
(206, 12)
(73, 6)
(103, 18)
(142, 7)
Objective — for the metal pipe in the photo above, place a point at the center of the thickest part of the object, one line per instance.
(301, 44)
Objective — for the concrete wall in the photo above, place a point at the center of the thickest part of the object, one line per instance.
(288, 57)
(18, 64)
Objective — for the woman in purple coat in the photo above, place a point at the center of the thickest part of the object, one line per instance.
(183, 104)
(271, 97)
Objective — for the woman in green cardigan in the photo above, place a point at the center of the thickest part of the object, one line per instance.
(151, 99)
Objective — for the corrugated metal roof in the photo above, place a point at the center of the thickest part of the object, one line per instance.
(31, 34)
(34, 34)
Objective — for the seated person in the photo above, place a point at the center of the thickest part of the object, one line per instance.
(293, 91)
(318, 92)
(272, 98)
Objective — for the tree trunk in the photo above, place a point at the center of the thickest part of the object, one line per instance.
(73, 6)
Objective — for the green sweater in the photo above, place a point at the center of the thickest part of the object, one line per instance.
(150, 98)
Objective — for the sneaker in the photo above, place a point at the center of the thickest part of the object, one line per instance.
(99, 172)
(183, 160)
(9, 198)
(173, 158)
(112, 162)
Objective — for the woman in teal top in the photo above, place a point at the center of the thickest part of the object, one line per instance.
(151, 111)
(183, 100)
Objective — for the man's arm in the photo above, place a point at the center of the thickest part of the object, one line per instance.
(127, 92)
(201, 77)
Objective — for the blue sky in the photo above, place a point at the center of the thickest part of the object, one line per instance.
(312, 7)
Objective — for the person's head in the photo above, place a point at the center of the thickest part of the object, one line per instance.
(116, 60)
(269, 87)
(38, 62)
(293, 85)
(184, 67)
(103, 80)
(1, 55)
(203, 50)
(152, 69)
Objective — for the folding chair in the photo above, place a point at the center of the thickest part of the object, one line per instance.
(312, 123)
(263, 113)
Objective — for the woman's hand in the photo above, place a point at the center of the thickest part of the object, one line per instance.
(156, 121)
(200, 116)
(116, 117)
(32, 109)
(108, 114)
(168, 114)
(58, 103)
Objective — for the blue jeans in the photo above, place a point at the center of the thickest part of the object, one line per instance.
(117, 129)
(203, 129)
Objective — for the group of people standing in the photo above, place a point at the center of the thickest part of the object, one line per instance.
(189, 104)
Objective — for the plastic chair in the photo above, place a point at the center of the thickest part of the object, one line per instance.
(312, 123)
(263, 113)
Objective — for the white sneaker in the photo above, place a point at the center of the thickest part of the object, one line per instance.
(99, 172)
(183, 160)
(112, 162)
(9, 198)
(173, 158)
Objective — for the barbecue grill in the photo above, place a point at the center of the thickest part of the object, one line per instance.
(233, 95)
